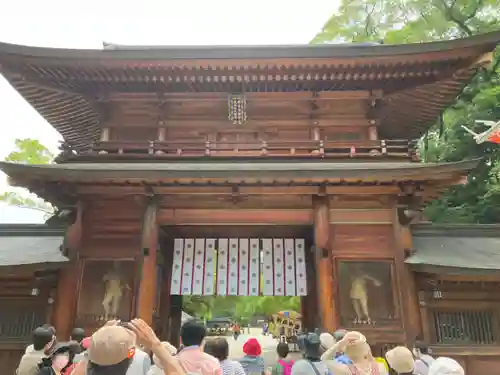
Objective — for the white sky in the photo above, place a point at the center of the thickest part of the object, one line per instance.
(86, 24)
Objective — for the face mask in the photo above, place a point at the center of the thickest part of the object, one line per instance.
(60, 361)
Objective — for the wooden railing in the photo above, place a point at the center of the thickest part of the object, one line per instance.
(399, 149)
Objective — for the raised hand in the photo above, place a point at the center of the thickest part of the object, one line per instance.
(144, 332)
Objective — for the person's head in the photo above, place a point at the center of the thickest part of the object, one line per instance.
(42, 339)
(111, 350)
(356, 347)
(62, 357)
(311, 346)
(192, 333)
(419, 348)
(252, 347)
(51, 329)
(446, 366)
(339, 334)
(220, 348)
(171, 349)
(282, 349)
(327, 340)
(208, 347)
(76, 347)
(400, 359)
(78, 334)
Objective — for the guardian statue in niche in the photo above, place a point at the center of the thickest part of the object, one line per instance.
(359, 294)
(113, 291)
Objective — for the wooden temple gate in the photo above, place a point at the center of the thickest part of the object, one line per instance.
(175, 156)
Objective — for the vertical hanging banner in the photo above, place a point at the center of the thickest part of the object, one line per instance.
(222, 266)
(243, 257)
(267, 263)
(239, 267)
(199, 266)
(187, 268)
(233, 267)
(254, 274)
(300, 267)
(279, 269)
(290, 267)
(209, 270)
(177, 262)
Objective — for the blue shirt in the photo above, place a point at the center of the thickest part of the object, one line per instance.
(345, 360)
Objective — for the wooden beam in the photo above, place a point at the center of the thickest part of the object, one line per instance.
(110, 190)
(360, 216)
(146, 299)
(235, 217)
(243, 190)
(324, 267)
(205, 122)
(363, 190)
(250, 96)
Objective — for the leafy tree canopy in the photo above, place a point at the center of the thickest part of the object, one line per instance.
(28, 151)
(410, 21)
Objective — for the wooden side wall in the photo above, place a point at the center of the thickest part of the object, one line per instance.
(466, 297)
(20, 313)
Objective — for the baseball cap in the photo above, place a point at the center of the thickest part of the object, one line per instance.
(110, 345)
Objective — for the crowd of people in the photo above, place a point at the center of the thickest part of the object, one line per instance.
(127, 348)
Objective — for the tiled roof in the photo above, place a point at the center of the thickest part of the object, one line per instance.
(456, 249)
(30, 245)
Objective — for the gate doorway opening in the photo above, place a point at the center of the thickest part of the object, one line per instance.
(228, 272)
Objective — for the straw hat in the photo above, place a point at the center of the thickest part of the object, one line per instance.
(400, 359)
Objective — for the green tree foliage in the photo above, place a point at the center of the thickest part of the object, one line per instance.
(241, 309)
(413, 21)
(28, 151)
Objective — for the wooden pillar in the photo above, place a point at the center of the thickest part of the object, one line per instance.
(324, 265)
(146, 299)
(66, 300)
(407, 289)
(68, 281)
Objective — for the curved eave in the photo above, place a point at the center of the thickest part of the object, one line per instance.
(63, 84)
(253, 173)
(145, 53)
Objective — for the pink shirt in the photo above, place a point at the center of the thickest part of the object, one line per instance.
(195, 361)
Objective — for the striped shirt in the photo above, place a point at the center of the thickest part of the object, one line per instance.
(231, 367)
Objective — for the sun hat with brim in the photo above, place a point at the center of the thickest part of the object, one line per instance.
(445, 366)
(400, 359)
(111, 345)
(327, 340)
